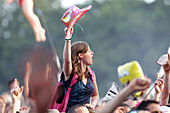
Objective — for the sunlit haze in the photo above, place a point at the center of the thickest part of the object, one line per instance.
(69, 3)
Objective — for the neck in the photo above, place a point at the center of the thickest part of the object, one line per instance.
(83, 67)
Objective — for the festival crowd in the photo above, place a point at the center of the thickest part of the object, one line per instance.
(76, 91)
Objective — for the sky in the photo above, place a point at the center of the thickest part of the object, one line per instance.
(69, 3)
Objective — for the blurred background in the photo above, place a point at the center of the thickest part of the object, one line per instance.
(118, 31)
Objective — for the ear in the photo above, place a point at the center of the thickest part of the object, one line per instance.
(80, 55)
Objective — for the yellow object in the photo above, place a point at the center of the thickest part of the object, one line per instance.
(128, 72)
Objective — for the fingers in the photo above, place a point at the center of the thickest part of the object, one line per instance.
(166, 67)
(157, 75)
(15, 82)
(65, 29)
(158, 85)
(141, 84)
(28, 68)
(16, 90)
(89, 106)
(21, 89)
(69, 30)
(169, 59)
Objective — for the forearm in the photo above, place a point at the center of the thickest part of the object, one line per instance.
(156, 97)
(3, 108)
(67, 57)
(95, 100)
(14, 107)
(165, 92)
(110, 106)
(26, 92)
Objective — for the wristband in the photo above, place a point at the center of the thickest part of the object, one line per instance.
(68, 39)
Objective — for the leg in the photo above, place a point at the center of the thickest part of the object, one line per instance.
(39, 31)
(9, 1)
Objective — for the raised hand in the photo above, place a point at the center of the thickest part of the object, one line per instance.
(90, 107)
(69, 33)
(167, 66)
(158, 85)
(16, 91)
(24, 109)
(139, 84)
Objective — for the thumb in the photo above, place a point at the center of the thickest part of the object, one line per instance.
(21, 89)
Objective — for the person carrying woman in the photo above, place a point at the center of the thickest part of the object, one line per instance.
(27, 8)
(77, 59)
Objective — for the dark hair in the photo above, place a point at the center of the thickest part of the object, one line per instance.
(11, 81)
(74, 107)
(124, 105)
(144, 104)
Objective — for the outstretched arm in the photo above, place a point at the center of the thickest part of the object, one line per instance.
(67, 67)
(28, 71)
(165, 92)
(158, 88)
(137, 84)
(16, 93)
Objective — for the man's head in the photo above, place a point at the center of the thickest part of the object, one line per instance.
(150, 105)
(123, 108)
(78, 109)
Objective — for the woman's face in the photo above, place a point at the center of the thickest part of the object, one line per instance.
(87, 57)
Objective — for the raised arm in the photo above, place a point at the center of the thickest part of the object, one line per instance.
(165, 92)
(28, 70)
(158, 88)
(67, 65)
(16, 93)
(137, 84)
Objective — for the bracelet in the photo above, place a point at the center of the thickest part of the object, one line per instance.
(68, 39)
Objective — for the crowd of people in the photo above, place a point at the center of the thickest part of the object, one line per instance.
(40, 79)
(28, 10)
(37, 94)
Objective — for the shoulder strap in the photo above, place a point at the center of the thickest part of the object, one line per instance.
(92, 73)
(66, 97)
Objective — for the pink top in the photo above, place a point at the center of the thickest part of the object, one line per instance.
(20, 2)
